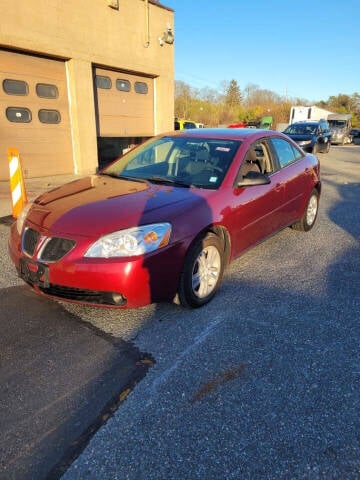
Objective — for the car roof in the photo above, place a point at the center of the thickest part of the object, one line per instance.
(226, 133)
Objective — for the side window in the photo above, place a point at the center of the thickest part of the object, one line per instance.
(285, 152)
(102, 81)
(46, 90)
(15, 87)
(141, 87)
(18, 114)
(123, 85)
(257, 159)
(49, 116)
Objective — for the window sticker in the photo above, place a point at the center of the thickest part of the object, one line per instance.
(223, 149)
(213, 179)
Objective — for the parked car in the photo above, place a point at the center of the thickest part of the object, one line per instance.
(180, 124)
(237, 125)
(355, 135)
(165, 219)
(311, 136)
(266, 122)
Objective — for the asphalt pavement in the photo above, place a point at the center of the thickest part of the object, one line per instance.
(60, 379)
(263, 383)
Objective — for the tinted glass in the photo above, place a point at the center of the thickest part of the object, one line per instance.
(103, 82)
(18, 114)
(141, 87)
(285, 151)
(46, 90)
(123, 85)
(188, 125)
(179, 161)
(49, 116)
(301, 129)
(15, 87)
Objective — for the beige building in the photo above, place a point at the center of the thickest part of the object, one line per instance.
(80, 81)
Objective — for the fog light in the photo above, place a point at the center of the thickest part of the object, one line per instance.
(118, 299)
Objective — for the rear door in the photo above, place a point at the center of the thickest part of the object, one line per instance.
(295, 177)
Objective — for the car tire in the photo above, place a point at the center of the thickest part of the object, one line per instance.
(309, 216)
(202, 273)
(327, 148)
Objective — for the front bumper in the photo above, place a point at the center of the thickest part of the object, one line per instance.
(113, 282)
(306, 146)
(337, 139)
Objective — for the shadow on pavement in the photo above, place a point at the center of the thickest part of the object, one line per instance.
(61, 379)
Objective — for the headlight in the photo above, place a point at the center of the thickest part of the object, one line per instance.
(131, 242)
(22, 217)
(304, 142)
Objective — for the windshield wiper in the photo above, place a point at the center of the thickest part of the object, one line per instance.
(124, 177)
(169, 181)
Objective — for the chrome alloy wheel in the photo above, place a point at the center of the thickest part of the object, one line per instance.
(311, 211)
(206, 271)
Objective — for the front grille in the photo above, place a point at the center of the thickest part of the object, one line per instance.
(29, 241)
(55, 248)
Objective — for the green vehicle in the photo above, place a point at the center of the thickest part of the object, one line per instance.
(266, 123)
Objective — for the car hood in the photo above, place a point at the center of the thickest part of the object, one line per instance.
(97, 205)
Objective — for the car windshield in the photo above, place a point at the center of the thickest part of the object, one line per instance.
(337, 123)
(301, 129)
(177, 160)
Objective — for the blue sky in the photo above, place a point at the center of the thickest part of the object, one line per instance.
(307, 49)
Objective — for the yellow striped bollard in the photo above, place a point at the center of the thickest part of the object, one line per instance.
(17, 184)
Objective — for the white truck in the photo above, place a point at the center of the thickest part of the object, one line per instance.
(300, 114)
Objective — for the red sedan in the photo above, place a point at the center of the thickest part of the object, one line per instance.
(165, 219)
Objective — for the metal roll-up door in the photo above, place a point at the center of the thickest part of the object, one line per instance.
(34, 114)
(124, 104)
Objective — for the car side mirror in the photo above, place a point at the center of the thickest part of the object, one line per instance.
(253, 178)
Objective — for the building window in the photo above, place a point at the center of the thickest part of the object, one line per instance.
(45, 90)
(123, 85)
(141, 87)
(103, 82)
(15, 87)
(49, 116)
(18, 114)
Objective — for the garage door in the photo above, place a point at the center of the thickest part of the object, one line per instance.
(125, 104)
(34, 114)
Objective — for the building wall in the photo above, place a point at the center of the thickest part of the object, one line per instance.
(86, 34)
